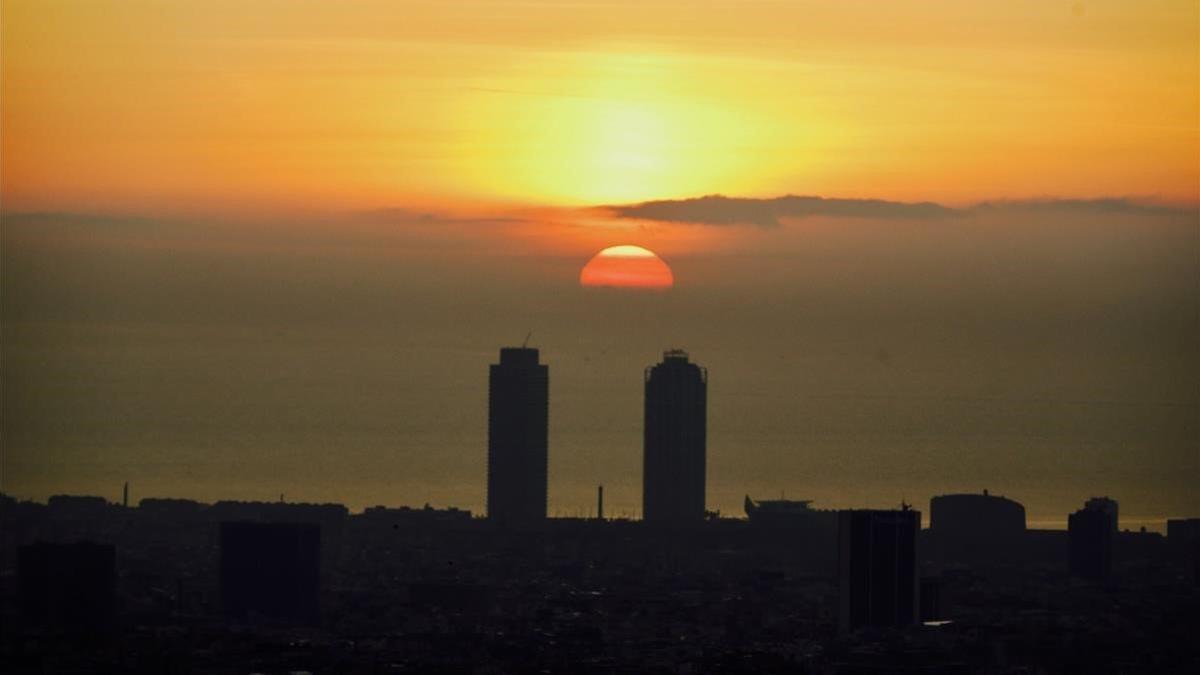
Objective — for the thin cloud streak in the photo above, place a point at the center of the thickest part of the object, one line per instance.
(768, 213)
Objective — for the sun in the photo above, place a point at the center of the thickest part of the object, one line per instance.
(627, 266)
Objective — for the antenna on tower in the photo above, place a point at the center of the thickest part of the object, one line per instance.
(526, 342)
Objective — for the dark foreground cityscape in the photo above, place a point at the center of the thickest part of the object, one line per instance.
(177, 586)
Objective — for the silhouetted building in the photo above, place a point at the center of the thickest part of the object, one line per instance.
(1183, 530)
(427, 514)
(1107, 505)
(176, 509)
(271, 572)
(674, 441)
(1090, 544)
(1183, 543)
(518, 430)
(981, 530)
(781, 512)
(976, 516)
(67, 588)
(330, 516)
(877, 568)
(77, 506)
(807, 537)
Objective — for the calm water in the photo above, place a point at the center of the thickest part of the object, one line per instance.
(850, 373)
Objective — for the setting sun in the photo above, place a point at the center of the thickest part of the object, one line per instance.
(627, 267)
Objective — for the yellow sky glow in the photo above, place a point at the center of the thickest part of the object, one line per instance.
(272, 106)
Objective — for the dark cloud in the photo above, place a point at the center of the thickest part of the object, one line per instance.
(722, 210)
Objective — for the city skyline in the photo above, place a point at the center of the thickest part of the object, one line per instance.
(674, 460)
(248, 251)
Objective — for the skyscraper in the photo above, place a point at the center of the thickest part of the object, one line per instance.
(674, 441)
(1090, 542)
(877, 568)
(518, 414)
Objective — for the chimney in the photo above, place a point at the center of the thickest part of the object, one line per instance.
(600, 502)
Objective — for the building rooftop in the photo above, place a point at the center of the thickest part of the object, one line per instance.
(518, 356)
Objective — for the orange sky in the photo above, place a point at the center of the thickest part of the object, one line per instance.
(179, 107)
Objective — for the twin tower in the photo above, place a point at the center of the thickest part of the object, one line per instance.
(674, 439)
